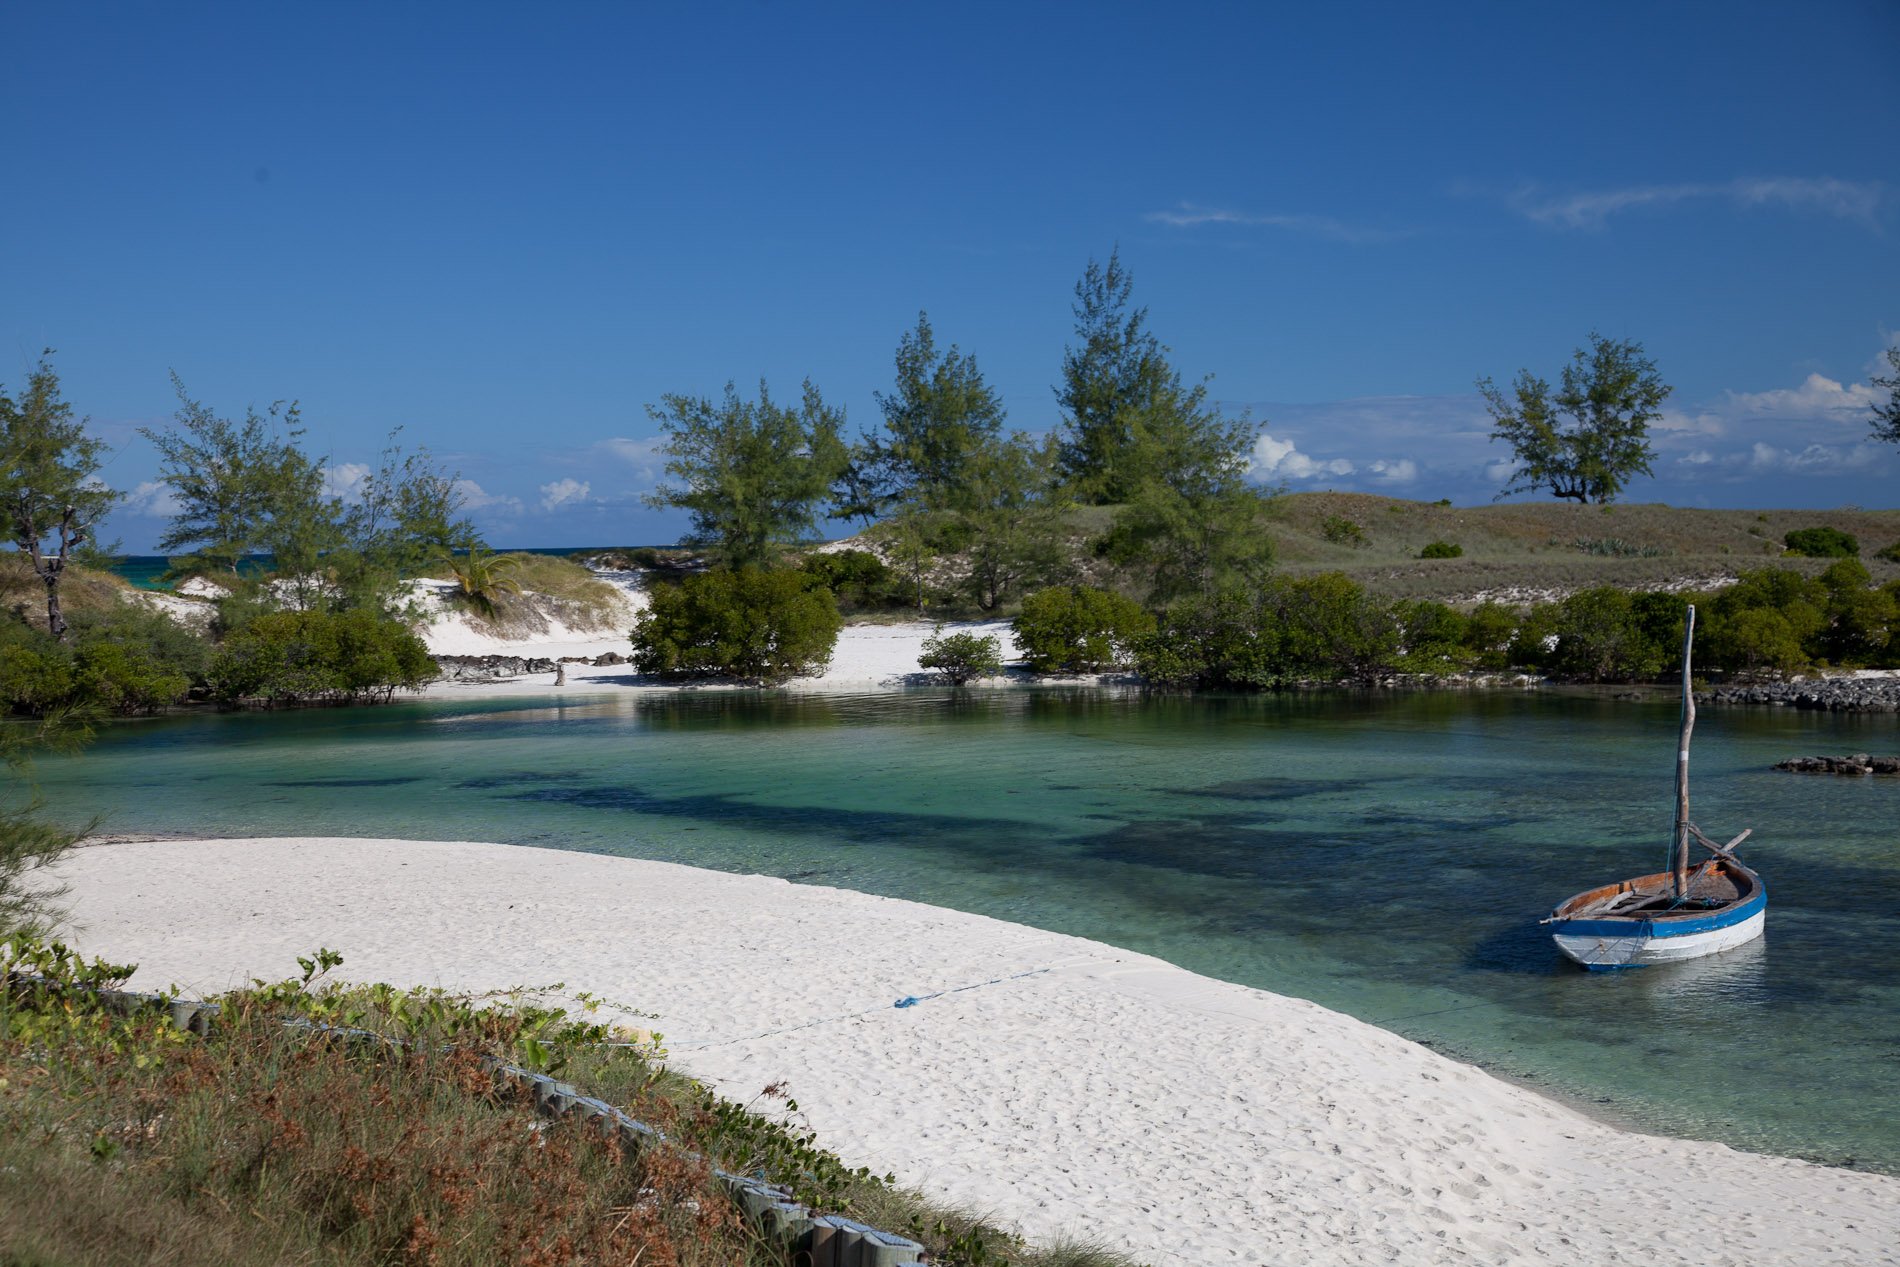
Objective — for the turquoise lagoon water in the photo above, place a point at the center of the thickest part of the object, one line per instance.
(1385, 856)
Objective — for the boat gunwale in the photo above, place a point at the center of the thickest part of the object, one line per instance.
(1753, 897)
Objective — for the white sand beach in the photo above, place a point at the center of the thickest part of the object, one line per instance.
(867, 655)
(1061, 1083)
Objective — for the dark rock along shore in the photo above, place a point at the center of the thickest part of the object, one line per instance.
(1840, 695)
(1858, 763)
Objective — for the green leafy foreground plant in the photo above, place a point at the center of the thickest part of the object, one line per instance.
(287, 1133)
(961, 657)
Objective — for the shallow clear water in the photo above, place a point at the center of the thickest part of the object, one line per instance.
(1388, 857)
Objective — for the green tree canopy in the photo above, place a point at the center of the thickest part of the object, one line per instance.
(1589, 439)
(1886, 423)
(939, 418)
(1191, 518)
(1109, 384)
(50, 494)
(242, 488)
(752, 475)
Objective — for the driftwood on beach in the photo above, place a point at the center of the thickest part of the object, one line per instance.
(1857, 763)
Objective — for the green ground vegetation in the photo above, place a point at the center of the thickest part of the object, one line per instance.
(124, 1140)
(1326, 627)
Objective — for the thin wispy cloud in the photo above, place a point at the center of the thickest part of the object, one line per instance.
(1188, 215)
(1843, 199)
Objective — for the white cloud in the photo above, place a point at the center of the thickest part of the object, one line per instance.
(1403, 471)
(1767, 459)
(1273, 457)
(565, 492)
(475, 498)
(1845, 199)
(643, 456)
(152, 498)
(345, 479)
(1188, 216)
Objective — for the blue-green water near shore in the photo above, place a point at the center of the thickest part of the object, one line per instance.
(1385, 856)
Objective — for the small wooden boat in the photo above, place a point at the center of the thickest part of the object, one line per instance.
(1675, 914)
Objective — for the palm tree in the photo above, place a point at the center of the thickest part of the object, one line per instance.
(481, 577)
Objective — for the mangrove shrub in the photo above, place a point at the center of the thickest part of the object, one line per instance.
(765, 626)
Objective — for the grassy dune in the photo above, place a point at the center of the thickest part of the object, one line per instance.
(1544, 546)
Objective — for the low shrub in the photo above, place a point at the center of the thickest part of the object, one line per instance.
(856, 578)
(962, 657)
(1822, 543)
(1890, 553)
(290, 657)
(1079, 629)
(1442, 550)
(764, 626)
(1342, 531)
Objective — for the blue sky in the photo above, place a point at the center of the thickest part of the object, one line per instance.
(505, 229)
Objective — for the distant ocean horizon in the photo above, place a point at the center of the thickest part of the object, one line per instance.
(143, 570)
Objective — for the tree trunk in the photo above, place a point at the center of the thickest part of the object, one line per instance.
(55, 619)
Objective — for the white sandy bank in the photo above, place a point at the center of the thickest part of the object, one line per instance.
(1186, 1119)
(881, 655)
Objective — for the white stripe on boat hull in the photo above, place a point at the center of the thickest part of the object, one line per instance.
(1637, 951)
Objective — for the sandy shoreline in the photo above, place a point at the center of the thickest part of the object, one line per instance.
(1075, 1087)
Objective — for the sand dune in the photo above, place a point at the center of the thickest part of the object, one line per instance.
(1062, 1083)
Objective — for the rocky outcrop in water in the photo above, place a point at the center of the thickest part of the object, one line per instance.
(1839, 695)
(1859, 763)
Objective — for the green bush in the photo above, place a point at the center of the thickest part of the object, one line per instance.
(764, 626)
(962, 657)
(1768, 621)
(1890, 553)
(1342, 531)
(857, 578)
(1079, 629)
(1329, 627)
(288, 657)
(1432, 637)
(1442, 550)
(1219, 643)
(1488, 633)
(1601, 636)
(125, 660)
(1822, 543)
(1321, 627)
(1860, 620)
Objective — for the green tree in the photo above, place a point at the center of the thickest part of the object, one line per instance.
(1010, 515)
(481, 578)
(1886, 421)
(242, 488)
(50, 494)
(751, 475)
(1191, 518)
(1111, 385)
(28, 843)
(404, 515)
(1589, 439)
(939, 416)
(765, 626)
(961, 657)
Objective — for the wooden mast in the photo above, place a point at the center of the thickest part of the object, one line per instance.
(1681, 860)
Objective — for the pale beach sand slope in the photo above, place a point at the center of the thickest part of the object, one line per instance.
(1108, 1093)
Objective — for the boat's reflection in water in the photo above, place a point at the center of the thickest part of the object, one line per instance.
(1733, 978)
